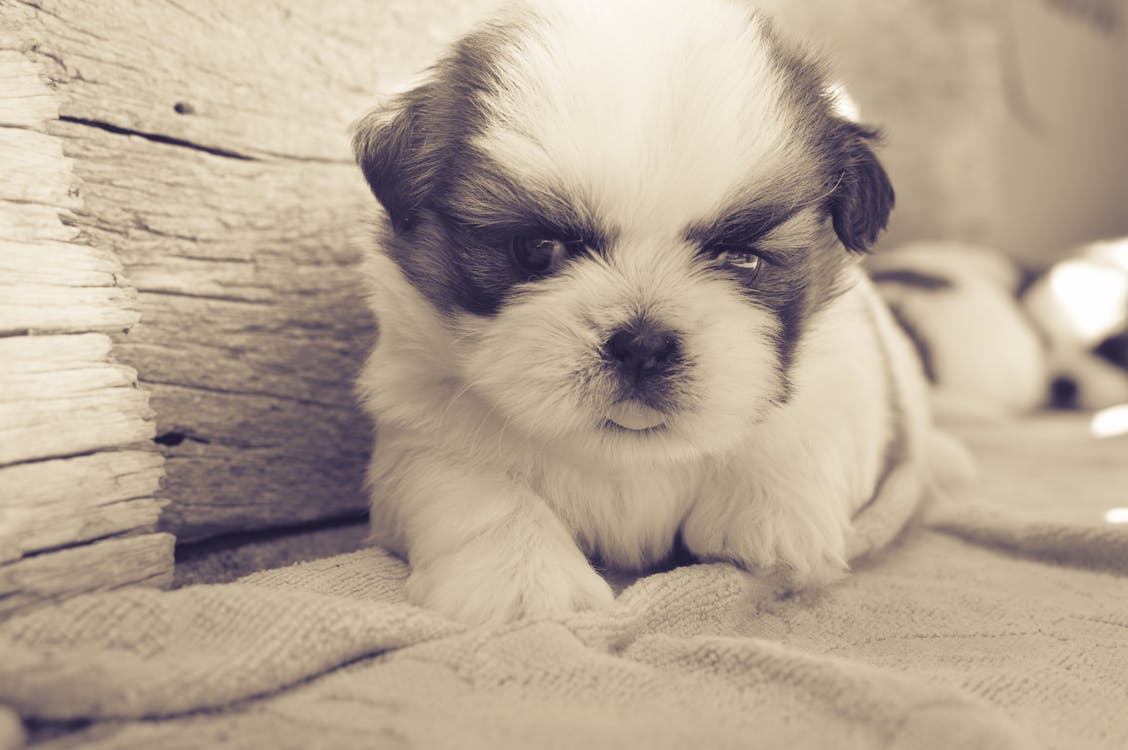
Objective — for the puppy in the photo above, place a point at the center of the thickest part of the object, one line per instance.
(1080, 306)
(959, 304)
(620, 305)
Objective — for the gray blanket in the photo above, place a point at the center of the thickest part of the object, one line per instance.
(1000, 620)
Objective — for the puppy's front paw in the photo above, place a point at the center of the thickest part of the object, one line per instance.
(799, 546)
(481, 585)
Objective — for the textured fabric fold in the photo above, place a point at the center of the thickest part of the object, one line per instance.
(957, 636)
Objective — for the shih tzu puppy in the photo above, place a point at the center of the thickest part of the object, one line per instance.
(1080, 307)
(958, 303)
(620, 307)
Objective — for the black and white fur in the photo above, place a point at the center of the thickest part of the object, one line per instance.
(1080, 308)
(958, 302)
(651, 384)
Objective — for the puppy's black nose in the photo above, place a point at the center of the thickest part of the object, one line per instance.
(1063, 393)
(643, 350)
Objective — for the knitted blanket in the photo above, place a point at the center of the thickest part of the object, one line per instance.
(999, 621)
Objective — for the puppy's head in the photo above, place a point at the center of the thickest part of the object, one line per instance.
(1080, 305)
(627, 213)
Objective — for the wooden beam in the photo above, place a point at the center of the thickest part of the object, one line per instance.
(227, 191)
(77, 462)
(51, 504)
(108, 564)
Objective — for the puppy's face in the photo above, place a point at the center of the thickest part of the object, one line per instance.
(1081, 308)
(627, 213)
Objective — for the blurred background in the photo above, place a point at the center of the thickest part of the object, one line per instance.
(1005, 120)
(1064, 146)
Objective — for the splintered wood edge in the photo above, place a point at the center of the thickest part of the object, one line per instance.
(79, 473)
(144, 559)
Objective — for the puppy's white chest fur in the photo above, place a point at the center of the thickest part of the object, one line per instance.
(627, 520)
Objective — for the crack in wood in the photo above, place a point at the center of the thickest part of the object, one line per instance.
(157, 138)
(77, 454)
(119, 534)
(17, 126)
(33, 202)
(176, 437)
(185, 143)
(207, 297)
(345, 405)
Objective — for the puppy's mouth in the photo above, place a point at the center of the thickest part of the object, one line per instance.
(632, 416)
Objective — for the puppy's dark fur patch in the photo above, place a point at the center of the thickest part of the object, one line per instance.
(916, 279)
(862, 198)
(1114, 349)
(859, 193)
(924, 353)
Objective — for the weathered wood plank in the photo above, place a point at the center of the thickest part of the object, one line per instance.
(252, 327)
(66, 409)
(26, 103)
(35, 170)
(244, 454)
(35, 308)
(49, 280)
(49, 504)
(135, 560)
(59, 397)
(263, 79)
(226, 188)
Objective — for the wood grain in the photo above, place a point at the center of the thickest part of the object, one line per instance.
(50, 504)
(77, 462)
(108, 564)
(210, 141)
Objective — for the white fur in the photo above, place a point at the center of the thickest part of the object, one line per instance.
(487, 510)
(495, 470)
(1078, 302)
(987, 359)
(649, 79)
(785, 493)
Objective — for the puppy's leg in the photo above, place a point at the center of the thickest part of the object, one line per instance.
(482, 548)
(786, 509)
(783, 527)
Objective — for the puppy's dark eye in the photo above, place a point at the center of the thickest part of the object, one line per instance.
(539, 255)
(742, 259)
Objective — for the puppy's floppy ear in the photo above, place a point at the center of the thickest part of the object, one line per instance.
(390, 146)
(863, 197)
